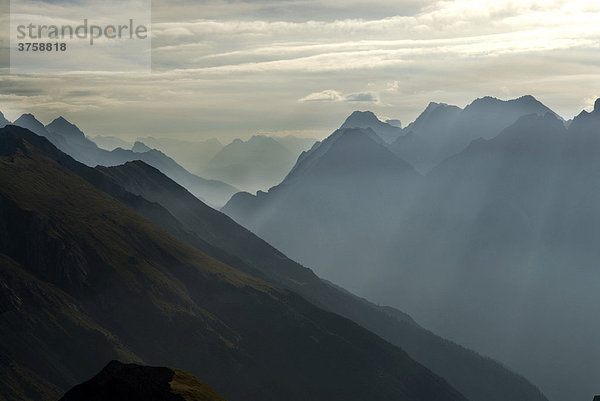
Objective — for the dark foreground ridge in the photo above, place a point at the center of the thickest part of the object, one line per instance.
(131, 382)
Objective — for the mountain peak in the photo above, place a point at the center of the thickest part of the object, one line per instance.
(597, 106)
(361, 118)
(140, 147)
(28, 117)
(29, 121)
(3, 120)
(368, 119)
(66, 129)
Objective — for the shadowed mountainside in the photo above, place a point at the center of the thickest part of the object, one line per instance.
(496, 248)
(476, 377)
(86, 279)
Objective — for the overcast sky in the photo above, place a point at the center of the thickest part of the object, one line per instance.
(235, 68)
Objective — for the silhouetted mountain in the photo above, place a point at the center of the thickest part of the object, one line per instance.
(477, 251)
(346, 183)
(476, 377)
(85, 279)
(3, 120)
(193, 155)
(498, 232)
(258, 163)
(112, 142)
(68, 138)
(131, 382)
(68, 131)
(442, 131)
(366, 119)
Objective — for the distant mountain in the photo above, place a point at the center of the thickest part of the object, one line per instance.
(477, 250)
(395, 123)
(344, 184)
(85, 279)
(504, 227)
(111, 142)
(131, 382)
(493, 234)
(3, 120)
(366, 119)
(193, 155)
(478, 378)
(442, 130)
(140, 147)
(258, 163)
(66, 129)
(295, 144)
(68, 138)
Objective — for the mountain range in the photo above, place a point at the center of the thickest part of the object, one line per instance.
(69, 138)
(476, 377)
(366, 119)
(110, 142)
(259, 162)
(493, 247)
(193, 155)
(443, 130)
(85, 279)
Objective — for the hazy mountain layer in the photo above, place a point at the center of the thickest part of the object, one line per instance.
(86, 279)
(68, 138)
(258, 163)
(113, 142)
(476, 377)
(193, 155)
(366, 119)
(343, 185)
(442, 130)
(495, 248)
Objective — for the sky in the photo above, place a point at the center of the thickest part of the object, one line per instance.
(235, 68)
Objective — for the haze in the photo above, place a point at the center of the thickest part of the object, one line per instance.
(232, 69)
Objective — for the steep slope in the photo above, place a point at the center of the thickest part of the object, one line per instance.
(442, 131)
(478, 378)
(504, 239)
(69, 131)
(321, 213)
(134, 292)
(258, 163)
(422, 137)
(3, 120)
(193, 155)
(140, 147)
(295, 144)
(131, 382)
(366, 119)
(71, 140)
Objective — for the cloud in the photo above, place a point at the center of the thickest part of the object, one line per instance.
(331, 95)
(394, 55)
(362, 97)
(328, 95)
